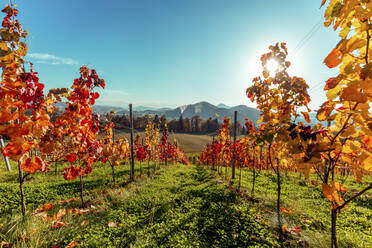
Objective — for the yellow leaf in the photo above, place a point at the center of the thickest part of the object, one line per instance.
(3, 46)
(22, 49)
(367, 163)
(344, 32)
(333, 93)
(349, 131)
(354, 43)
(346, 149)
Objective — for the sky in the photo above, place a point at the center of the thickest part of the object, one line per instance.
(167, 53)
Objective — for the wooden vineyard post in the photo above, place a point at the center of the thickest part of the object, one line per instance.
(131, 143)
(6, 159)
(234, 162)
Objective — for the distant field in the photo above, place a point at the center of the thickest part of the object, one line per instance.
(189, 142)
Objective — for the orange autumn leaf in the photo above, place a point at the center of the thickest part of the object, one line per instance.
(46, 206)
(286, 210)
(338, 186)
(306, 116)
(314, 182)
(323, 2)
(352, 93)
(72, 244)
(284, 228)
(330, 193)
(31, 165)
(333, 59)
(332, 82)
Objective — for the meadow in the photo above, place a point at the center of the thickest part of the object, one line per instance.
(178, 206)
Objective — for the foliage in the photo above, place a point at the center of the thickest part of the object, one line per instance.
(180, 207)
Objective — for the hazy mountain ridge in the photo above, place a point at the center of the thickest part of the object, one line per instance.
(204, 109)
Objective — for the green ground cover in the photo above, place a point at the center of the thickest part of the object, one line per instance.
(178, 206)
(181, 206)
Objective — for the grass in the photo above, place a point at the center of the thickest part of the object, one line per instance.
(181, 206)
(311, 211)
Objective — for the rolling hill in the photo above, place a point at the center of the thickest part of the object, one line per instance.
(204, 109)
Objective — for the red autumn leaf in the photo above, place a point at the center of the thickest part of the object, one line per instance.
(58, 224)
(71, 173)
(102, 83)
(47, 206)
(95, 95)
(71, 158)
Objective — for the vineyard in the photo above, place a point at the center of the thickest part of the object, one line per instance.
(72, 182)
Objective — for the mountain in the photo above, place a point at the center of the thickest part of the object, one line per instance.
(144, 108)
(221, 105)
(101, 109)
(203, 109)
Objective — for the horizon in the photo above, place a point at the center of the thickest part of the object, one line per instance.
(172, 54)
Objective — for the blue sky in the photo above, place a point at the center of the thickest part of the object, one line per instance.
(166, 53)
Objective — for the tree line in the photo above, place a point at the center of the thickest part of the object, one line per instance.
(195, 124)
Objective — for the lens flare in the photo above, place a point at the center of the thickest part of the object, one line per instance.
(272, 66)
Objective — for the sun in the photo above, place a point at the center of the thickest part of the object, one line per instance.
(272, 66)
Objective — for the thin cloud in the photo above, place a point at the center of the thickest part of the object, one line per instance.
(115, 92)
(100, 72)
(51, 59)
